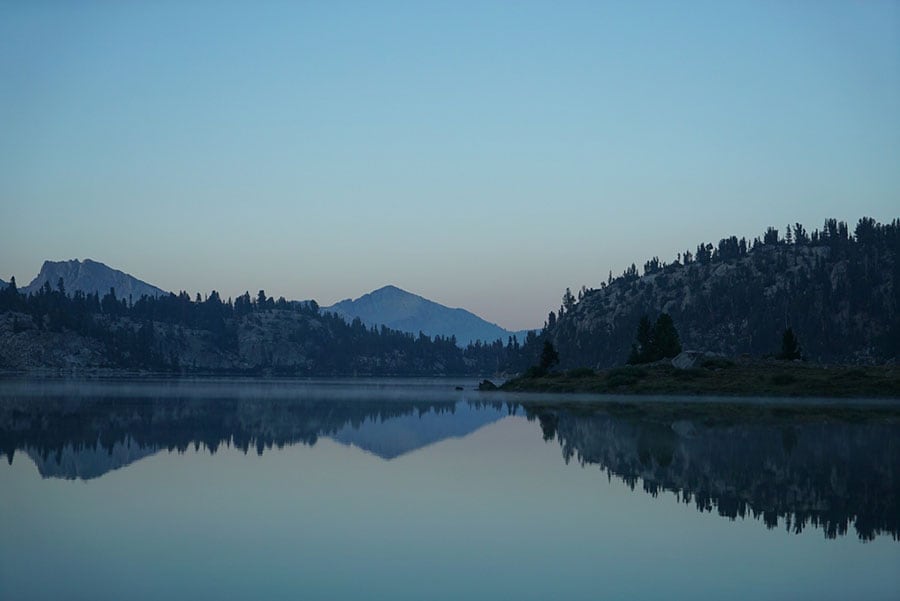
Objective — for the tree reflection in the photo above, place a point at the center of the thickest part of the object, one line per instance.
(53, 426)
(833, 469)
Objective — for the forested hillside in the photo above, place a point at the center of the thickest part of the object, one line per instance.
(836, 288)
(53, 329)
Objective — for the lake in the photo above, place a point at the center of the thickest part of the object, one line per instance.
(412, 489)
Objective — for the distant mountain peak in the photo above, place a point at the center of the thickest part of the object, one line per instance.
(392, 291)
(90, 276)
(402, 310)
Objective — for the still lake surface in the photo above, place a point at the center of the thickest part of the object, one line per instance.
(411, 489)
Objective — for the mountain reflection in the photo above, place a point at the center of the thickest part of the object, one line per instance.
(834, 469)
(86, 438)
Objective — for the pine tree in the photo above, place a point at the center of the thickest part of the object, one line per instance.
(655, 342)
(549, 357)
(666, 343)
(643, 343)
(790, 346)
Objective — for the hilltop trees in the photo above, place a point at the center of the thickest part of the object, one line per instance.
(655, 342)
(10, 300)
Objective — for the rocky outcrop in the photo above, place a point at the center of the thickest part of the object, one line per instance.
(693, 359)
(91, 277)
(24, 346)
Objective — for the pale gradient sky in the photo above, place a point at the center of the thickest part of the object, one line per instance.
(484, 155)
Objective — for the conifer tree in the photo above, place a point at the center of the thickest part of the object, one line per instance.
(655, 342)
(790, 346)
(666, 343)
(549, 357)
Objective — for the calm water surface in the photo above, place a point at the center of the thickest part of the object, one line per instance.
(410, 489)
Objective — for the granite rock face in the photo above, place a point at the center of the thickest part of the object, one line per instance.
(91, 277)
(24, 346)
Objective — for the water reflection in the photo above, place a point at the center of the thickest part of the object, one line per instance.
(830, 469)
(834, 469)
(85, 438)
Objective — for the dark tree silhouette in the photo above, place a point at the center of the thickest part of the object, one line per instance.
(652, 343)
(790, 346)
(641, 347)
(666, 343)
(549, 357)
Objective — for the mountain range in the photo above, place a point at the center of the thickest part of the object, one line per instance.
(40, 327)
(389, 306)
(407, 312)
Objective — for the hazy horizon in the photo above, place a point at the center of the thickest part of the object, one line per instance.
(484, 156)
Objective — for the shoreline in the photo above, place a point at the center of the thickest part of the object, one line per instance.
(721, 378)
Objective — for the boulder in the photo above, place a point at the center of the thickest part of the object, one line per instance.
(692, 359)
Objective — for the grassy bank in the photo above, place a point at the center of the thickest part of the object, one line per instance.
(723, 377)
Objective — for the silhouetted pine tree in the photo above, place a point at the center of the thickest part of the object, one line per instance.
(790, 346)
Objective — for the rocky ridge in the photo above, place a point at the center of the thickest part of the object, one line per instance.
(91, 277)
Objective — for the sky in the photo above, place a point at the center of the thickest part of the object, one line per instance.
(484, 155)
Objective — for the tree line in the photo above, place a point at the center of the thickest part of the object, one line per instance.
(131, 332)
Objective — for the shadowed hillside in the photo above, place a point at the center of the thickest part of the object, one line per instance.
(837, 290)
